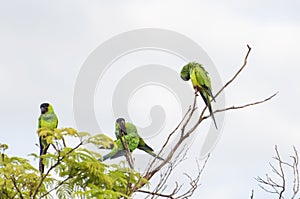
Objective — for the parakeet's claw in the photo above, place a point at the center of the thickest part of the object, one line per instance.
(196, 91)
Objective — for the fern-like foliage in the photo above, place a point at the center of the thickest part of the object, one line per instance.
(70, 172)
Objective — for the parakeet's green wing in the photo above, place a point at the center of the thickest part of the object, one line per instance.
(204, 80)
(143, 146)
(131, 129)
(204, 83)
(202, 77)
(118, 150)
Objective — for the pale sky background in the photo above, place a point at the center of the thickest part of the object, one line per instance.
(44, 44)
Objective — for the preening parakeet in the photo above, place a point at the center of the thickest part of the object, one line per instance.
(131, 136)
(201, 83)
(47, 119)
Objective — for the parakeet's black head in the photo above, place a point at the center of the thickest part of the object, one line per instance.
(185, 72)
(120, 124)
(44, 108)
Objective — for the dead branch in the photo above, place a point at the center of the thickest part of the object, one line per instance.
(193, 182)
(164, 176)
(295, 172)
(236, 74)
(269, 185)
(184, 134)
(252, 194)
(156, 194)
(240, 107)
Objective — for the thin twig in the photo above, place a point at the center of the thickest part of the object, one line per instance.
(59, 159)
(16, 186)
(194, 183)
(252, 194)
(281, 173)
(58, 185)
(241, 107)
(296, 173)
(271, 186)
(125, 146)
(238, 72)
(156, 194)
(168, 139)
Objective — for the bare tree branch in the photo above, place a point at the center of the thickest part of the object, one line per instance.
(252, 194)
(156, 194)
(173, 155)
(296, 173)
(279, 188)
(193, 182)
(236, 74)
(240, 107)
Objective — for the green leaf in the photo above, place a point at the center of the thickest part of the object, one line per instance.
(101, 141)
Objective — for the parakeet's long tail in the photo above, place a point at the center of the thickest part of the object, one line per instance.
(149, 150)
(43, 150)
(154, 155)
(208, 103)
(212, 115)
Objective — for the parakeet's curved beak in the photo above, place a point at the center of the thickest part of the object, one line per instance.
(185, 78)
(43, 110)
(121, 125)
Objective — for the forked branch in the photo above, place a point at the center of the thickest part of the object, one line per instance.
(185, 132)
(279, 187)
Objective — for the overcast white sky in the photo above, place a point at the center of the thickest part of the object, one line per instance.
(44, 44)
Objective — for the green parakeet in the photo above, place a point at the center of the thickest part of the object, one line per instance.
(201, 83)
(134, 141)
(47, 119)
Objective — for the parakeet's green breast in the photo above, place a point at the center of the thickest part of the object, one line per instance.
(132, 142)
(48, 120)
